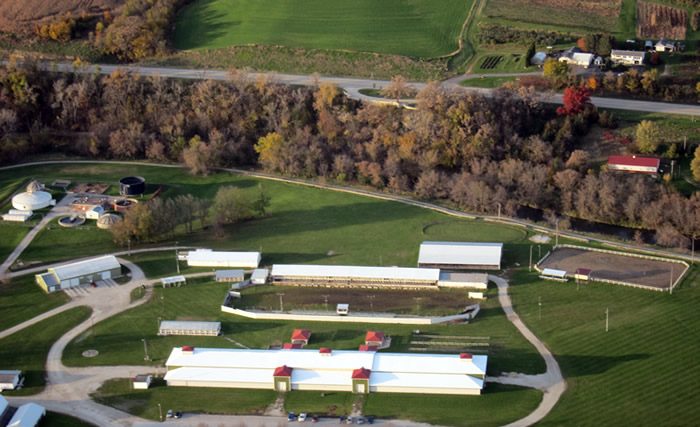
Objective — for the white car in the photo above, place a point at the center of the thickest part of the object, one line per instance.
(302, 417)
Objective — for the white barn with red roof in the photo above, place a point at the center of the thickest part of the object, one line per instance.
(635, 164)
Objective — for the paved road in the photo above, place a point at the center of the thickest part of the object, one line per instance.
(353, 85)
(552, 382)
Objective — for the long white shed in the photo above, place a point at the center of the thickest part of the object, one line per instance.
(461, 255)
(223, 259)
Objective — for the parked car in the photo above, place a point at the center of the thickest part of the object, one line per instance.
(169, 414)
(370, 420)
(360, 420)
(348, 420)
(291, 416)
(302, 417)
(314, 418)
(178, 415)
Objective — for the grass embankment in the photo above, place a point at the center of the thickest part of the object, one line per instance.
(420, 28)
(144, 403)
(22, 299)
(55, 419)
(487, 82)
(119, 339)
(642, 370)
(27, 349)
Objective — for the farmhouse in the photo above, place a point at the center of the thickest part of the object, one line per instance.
(345, 276)
(460, 255)
(634, 164)
(627, 57)
(220, 259)
(79, 273)
(191, 328)
(27, 415)
(10, 380)
(352, 371)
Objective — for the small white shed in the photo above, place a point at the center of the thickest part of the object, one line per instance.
(142, 382)
(95, 213)
(259, 276)
(342, 309)
(10, 380)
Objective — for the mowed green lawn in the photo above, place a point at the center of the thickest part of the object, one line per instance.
(643, 372)
(22, 299)
(27, 349)
(418, 28)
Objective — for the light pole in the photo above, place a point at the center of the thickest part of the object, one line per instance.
(281, 301)
(177, 261)
(499, 209)
(530, 265)
(607, 317)
(325, 302)
(556, 235)
(160, 413)
(539, 306)
(159, 323)
(145, 350)
(371, 302)
(128, 252)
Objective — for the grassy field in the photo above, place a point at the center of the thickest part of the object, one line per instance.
(642, 372)
(418, 28)
(487, 82)
(497, 406)
(22, 299)
(144, 403)
(334, 226)
(330, 404)
(119, 339)
(55, 419)
(10, 236)
(26, 350)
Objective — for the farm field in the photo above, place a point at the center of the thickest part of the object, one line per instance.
(118, 339)
(614, 377)
(417, 28)
(661, 21)
(27, 349)
(21, 299)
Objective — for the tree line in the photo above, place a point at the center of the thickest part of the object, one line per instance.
(467, 150)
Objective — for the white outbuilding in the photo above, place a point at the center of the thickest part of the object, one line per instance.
(351, 275)
(31, 201)
(259, 276)
(190, 328)
(4, 408)
(79, 273)
(27, 415)
(10, 380)
(142, 382)
(95, 212)
(460, 255)
(223, 259)
(463, 280)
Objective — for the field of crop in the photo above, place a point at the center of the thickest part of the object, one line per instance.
(417, 28)
(566, 15)
(20, 15)
(642, 372)
(661, 21)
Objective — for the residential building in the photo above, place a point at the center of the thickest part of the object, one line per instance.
(627, 57)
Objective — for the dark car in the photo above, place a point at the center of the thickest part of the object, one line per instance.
(291, 416)
(177, 415)
(370, 420)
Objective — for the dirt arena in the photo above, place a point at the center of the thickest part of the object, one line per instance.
(638, 271)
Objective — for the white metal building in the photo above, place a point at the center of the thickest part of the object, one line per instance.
(463, 280)
(178, 327)
(259, 276)
(627, 57)
(229, 276)
(9, 380)
(142, 382)
(344, 275)
(27, 415)
(171, 281)
(79, 273)
(353, 371)
(32, 201)
(4, 407)
(461, 255)
(221, 259)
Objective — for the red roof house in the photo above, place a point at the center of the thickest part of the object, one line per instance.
(291, 346)
(282, 371)
(301, 336)
(361, 374)
(374, 338)
(634, 164)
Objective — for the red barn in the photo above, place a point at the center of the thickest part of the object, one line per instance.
(635, 164)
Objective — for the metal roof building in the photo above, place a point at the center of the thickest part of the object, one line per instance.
(4, 406)
(9, 380)
(344, 275)
(460, 255)
(463, 280)
(649, 165)
(355, 371)
(229, 276)
(221, 259)
(28, 415)
(79, 273)
(192, 328)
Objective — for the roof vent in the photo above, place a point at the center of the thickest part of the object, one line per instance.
(465, 356)
(187, 349)
(326, 351)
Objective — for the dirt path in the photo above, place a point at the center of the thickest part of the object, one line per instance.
(552, 382)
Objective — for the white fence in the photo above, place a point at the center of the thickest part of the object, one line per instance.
(629, 254)
(351, 318)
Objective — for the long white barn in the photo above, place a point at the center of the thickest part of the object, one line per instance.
(327, 370)
(223, 259)
(344, 275)
(460, 255)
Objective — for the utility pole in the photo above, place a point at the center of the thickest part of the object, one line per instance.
(160, 413)
(539, 252)
(145, 350)
(159, 322)
(177, 262)
(499, 210)
(670, 281)
(539, 306)
(556, 235)
(607, 317)
(530, 265)
(371, 302)
(325, 302)
(692, 250)
(281, 294)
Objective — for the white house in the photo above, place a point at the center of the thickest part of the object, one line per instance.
(627, 57)
(9, 380)
(327, 370)
(27, 415)
(460, 255)
(223, 259)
